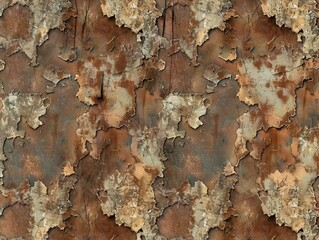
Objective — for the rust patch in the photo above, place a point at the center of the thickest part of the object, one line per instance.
(141, 140)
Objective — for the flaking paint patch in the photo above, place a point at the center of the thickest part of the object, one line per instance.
(54, 74)
(101, 84)
(90, 79)
(68, 169)
(289, 195)
(206, 15)
(48, 208)
(190, 106)
(2, 65)
(214, 75)
(140, 17)
(68, 55)
(130, 197)
(15, 106)
(300, 16)
(39, 24)
(258, 144)
(228, 54)
(210, 15)
(132, 14)
(147, 147)
(270, 84)
(209, 208)
(86, 131)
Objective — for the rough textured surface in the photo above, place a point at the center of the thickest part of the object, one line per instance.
(159, 119)
(44, 16)
(290, 195)
(14, 107)
(206, 15)
(124, 199)
(301, 17)
(270, 84)
(48, 209)
(176, 106)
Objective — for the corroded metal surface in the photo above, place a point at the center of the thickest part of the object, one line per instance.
(175, 119)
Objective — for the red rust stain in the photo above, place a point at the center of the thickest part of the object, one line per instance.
(203, 153)
(17, 28)
(17, 217)
(281, 95)
(268, 64)
(280, 69)
(257, 63)
(120, 63)
(175, 221)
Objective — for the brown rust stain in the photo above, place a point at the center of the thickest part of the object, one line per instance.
(146, 119)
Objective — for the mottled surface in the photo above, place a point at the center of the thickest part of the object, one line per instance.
(155, 119)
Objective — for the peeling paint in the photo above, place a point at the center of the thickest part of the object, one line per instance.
(209, 209)
(270, 84)
(39, 24)
(300, 16)
(131, 199)
(140, 17)
(207, 15)
(48, 208)
(191, 107)
(228, 54)
(2, 65)
(187, 119)
(54, 74)
(16, 105)
(289, 195)
(147, 146)
(214, 76)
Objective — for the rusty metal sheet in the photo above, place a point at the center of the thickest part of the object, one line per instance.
(159, 119)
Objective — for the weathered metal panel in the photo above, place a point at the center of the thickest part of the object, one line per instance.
(153, 119)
